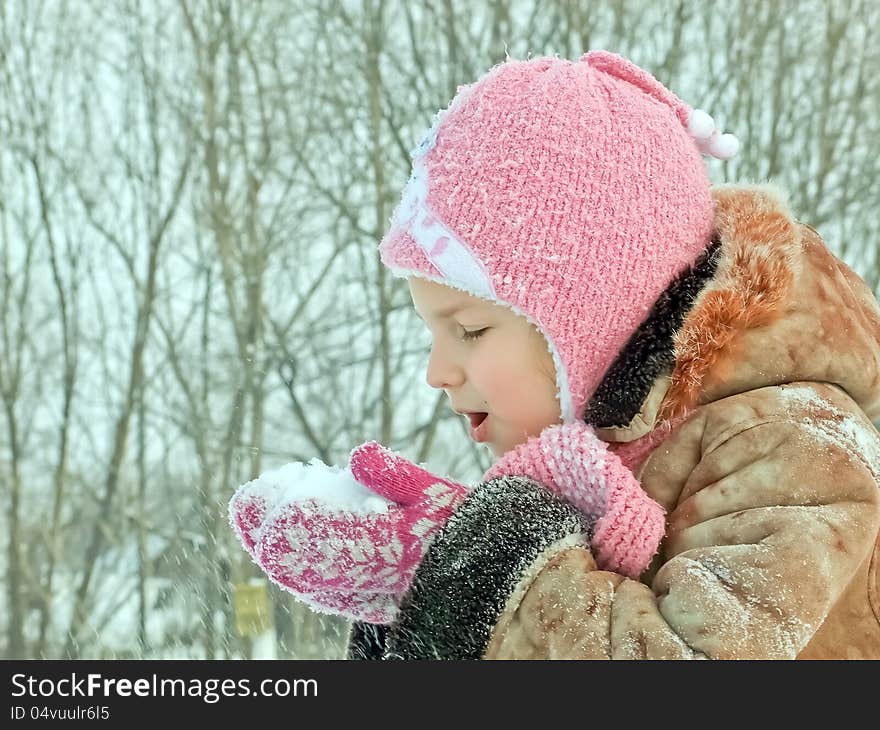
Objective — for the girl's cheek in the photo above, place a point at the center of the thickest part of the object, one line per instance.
(506, 390)
(484, 378)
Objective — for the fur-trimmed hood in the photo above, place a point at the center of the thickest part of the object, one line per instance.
(777, 308)
(740, 404)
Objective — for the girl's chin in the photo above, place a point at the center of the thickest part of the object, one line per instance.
(500, 449)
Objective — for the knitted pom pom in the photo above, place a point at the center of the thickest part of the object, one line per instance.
(700, 124)
(724, 146)
(709, 138)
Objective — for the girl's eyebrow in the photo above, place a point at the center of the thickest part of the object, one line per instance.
(448, 311)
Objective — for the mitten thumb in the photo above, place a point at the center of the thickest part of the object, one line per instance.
(393, 477)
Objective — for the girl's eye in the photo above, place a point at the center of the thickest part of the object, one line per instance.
(473, 334)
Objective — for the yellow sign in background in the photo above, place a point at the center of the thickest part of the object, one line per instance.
(253, 614)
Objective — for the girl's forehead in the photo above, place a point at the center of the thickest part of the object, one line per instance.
(439, 300)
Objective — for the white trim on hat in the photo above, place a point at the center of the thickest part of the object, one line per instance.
(443, 248)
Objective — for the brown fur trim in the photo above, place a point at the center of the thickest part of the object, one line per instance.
(759, 239)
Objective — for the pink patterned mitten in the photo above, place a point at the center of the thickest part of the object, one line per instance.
(342, 558)
(575, 464)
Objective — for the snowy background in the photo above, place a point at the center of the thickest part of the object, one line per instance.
(191, 194)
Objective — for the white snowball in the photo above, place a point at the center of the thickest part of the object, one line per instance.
(333, 486)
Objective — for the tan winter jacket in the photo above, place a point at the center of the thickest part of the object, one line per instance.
(756, 437)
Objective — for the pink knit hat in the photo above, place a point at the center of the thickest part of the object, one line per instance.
(572, 192)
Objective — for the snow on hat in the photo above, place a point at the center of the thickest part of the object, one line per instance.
(572, 192)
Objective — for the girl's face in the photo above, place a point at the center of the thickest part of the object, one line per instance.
(492, 363)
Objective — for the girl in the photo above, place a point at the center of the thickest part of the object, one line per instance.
(715, 371)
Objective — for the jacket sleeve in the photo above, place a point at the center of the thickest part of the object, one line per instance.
(502, 534)
(366, 642)
(773, 505)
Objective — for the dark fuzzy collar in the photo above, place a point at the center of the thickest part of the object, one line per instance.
(649, 353)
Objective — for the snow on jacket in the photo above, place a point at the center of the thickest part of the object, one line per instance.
(744, 405)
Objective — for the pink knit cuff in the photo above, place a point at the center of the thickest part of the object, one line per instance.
(576, 465)
(525, 460)
(627, 536)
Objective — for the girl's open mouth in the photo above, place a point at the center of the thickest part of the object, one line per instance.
(479, 426)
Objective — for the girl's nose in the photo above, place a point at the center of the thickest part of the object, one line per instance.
(442, 371)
